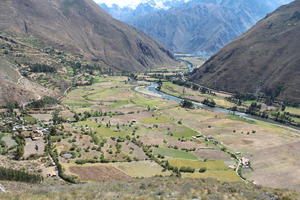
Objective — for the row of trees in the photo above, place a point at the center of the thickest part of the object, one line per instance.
(54, 155)
(18, 175)
(43, 102)
(42, 68)
(20, 140)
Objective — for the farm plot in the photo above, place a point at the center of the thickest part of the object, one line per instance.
(104, 130)
(188, 93)
(222, 175)
(174, 153)
(210, 165)
(212, 154)
(156, 120)
(97, 172)
(277, 166)
(142, 169)
(34, 147)
(184, 132)
(8, 140)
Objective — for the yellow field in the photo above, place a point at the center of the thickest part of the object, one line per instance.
(222, 175)
(197, 164)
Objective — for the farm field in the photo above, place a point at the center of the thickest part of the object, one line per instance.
(221, 175)
(163, 129)
(112, 130)
(188, 93)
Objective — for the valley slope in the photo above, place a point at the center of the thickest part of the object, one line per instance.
(59, 34)
(81, 27)
(263, 60)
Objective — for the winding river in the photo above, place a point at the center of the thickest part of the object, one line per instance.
(152, 90)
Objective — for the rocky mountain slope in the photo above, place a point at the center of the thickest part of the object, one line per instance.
(81, 27)
(199, 26)
(266, 59)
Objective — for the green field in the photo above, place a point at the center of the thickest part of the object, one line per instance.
(156, 120)
(78, 104)
(104, 131)
(174, 153)
(249, 102)
(29, 119)
(185, 132)
(120, 103)
(215, 165)
(293, 110)
(144, 102)
(237, 118)
(104, 94)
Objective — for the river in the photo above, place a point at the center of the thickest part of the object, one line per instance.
(152, 88)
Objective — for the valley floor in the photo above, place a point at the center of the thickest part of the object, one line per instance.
(110, 131)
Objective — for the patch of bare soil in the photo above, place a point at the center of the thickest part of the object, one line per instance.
(212, 154)
(98, 173)
(34, 147)
(277, 167)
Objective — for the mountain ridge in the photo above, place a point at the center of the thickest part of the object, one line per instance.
(81, 27)
(199, 27)
(263, 60)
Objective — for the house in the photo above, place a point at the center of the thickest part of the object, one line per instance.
(245, 162)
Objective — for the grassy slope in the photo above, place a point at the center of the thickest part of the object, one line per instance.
(168, 188)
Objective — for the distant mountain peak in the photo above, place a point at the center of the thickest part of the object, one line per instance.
(157, 4)
(199, 27)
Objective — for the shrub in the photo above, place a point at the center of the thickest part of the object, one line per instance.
(186, 104)
(202, 170)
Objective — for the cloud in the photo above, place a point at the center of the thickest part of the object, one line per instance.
(121, 3)
(135, 3)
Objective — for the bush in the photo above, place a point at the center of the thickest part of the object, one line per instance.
(187, 169)
(209, 102)
(202, 170)
(186, 104)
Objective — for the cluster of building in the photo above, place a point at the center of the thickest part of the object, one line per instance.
(32, 132)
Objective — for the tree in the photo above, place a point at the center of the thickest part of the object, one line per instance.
(186, 104)
(209, 102)
(56, 118)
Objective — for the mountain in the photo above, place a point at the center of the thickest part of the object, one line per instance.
(266, 59)
(128, 14)
(199, 27)
(61, 35)
(82, 27)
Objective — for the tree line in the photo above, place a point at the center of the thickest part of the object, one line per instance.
(18, 175)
